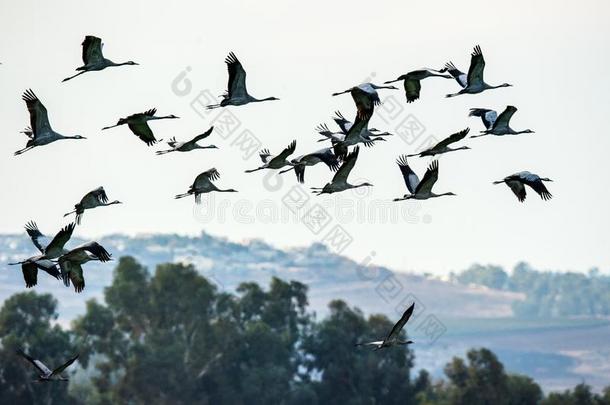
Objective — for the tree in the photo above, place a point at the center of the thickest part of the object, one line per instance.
(358, 376)
(26, 322)
(482, 381)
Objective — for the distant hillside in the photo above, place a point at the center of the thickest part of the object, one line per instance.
(372, 288)
(451, 316)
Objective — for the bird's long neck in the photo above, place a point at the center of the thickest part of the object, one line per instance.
(384, 87)
(113, 202)
(258, 100)
(163, 117)
(525, 131)
(488, 86)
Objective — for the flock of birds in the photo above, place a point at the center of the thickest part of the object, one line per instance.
(66, 264)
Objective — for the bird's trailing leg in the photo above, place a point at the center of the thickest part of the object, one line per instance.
(163, 152)
(20, 151)
(72, 77)
(254, 170)
(68, 213)
(342, 92)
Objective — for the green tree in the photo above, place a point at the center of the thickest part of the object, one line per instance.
(357, 375)
(26, 321)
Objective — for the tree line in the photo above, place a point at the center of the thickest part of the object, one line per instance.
(548, 294)
(173, 338)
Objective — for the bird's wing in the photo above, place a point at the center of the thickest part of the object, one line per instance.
(150, 112)
(64, 366)
(503, 119)
(356, 130)
(37, 363)
(430, 177)
(143, 131)
(206, 177)
(342, 122)
(202, 136)
(375, 343)
(237, 77)
(30, 274)
(327, 156)
(401, 323)
(299, 170)
(49, 267)
(412, 88)
(39, 120)
(365, 101)
(518, 189)
(457, 74)
(72, 271)
(288, 150)
(172, 142)
(60, 239)
(487, 116)
(409, 176)
(535, 183)
(264, 154)
(323, 130)
(94, 248)
(458, 136)
(477, 66)
(39, 240)
(98, 195)
(28, 132)
(347, 166)
(92, 50)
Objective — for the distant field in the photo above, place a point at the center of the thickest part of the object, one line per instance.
(470, 326)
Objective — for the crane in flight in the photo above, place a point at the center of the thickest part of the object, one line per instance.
(517, 182)
(188, 146)
(45, 374)
(275, 162)
(237, 93)
(412, 81)
(138, 124)
(93, 199)
(339, 181)
(39, 132)
(471, 83)
(420, 190)
(497, 124)
(393, 338)
(203, 184)
(93, 58)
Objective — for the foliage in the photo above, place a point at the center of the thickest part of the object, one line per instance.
(548, 294)
(173, 338)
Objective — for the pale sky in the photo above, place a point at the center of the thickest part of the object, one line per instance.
(555, 53)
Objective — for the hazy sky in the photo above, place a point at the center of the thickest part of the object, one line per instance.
(555, 53)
